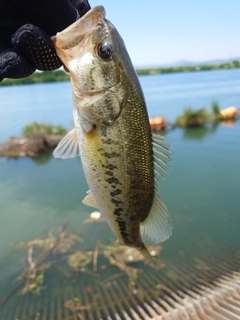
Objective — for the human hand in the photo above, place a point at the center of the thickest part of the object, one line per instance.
(25, 30)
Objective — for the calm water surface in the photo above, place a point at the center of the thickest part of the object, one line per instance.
(201, 191)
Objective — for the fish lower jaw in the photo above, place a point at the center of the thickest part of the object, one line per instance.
(65, 69)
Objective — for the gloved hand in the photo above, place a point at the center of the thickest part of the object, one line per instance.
(25, 30)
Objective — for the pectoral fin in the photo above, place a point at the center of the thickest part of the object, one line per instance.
(68, 146)
(89, 200)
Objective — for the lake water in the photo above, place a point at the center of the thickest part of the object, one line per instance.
(201, 191)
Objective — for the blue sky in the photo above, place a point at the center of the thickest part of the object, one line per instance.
(158, 32)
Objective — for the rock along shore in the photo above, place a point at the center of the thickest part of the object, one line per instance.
(38, 143)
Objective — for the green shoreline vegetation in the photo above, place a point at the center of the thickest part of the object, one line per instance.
(40, 137)
(60, 75)
(205, 67)
(47, 129)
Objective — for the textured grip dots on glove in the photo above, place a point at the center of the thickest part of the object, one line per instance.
(36, 45)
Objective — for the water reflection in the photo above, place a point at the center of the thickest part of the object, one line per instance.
(43, 158)
(229, 122)
(201, 132)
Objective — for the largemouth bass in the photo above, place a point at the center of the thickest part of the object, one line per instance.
(121, 159)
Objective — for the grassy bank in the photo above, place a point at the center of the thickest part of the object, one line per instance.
(230, 65)
(59, 75)
(38, 77)
(47, 129)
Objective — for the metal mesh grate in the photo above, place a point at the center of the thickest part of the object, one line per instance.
(205, 288)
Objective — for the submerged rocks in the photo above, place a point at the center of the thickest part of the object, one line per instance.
(38, 143)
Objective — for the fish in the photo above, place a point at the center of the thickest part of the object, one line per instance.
(122, 160)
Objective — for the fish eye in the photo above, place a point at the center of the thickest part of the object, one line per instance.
(105, 50)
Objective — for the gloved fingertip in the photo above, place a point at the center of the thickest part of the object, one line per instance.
(14, 65)
(37, 46)
(85, 7)
(82, 6)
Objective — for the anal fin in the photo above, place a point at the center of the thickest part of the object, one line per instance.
(89, 200)
(157, 227)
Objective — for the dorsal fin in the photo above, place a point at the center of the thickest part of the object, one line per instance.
(161, 156)
(157, 227)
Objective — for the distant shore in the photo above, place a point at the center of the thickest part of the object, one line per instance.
(59, 75)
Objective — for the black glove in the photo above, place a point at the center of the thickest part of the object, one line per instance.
(24, 46)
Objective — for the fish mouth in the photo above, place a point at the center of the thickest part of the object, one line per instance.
(76, 32)
(65, 69)
(76, 39)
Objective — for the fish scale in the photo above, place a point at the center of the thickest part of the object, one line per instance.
(112, 132)
(118, 208)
